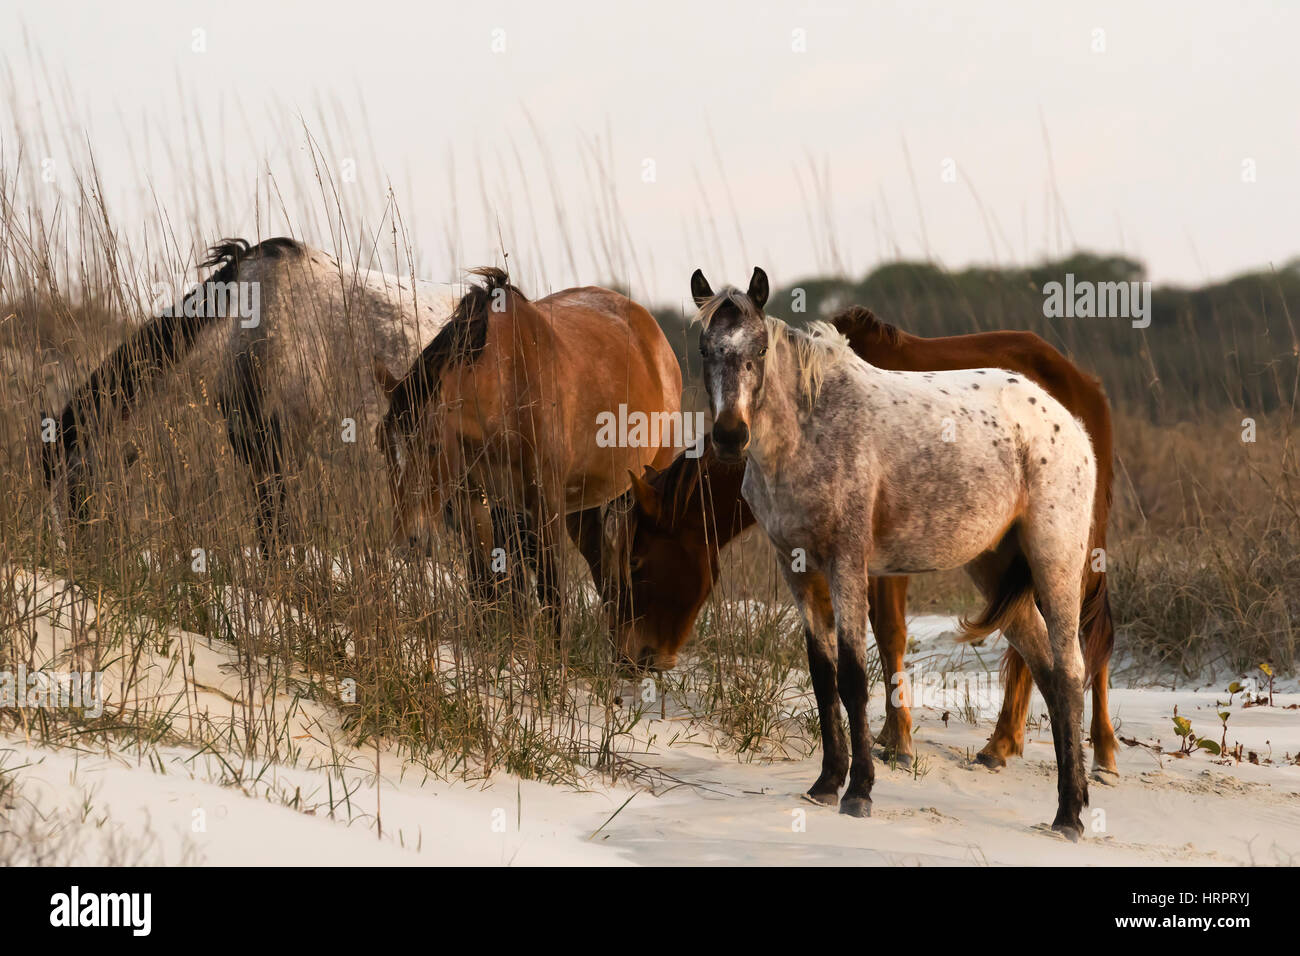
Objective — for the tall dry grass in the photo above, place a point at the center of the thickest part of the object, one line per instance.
(397, 647)
(1205, 527)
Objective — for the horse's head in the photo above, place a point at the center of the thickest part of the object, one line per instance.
(397, 436)
(658, 553)
(733, 343)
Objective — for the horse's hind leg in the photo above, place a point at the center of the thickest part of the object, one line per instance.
(1062, 687)
(257, 438)
(1056, 560)
(1104, 745)
(888, 613)
(1048, 644)
(813, 598)
(1008, 739)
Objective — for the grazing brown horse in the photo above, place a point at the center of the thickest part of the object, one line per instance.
(686, 514)
(503, 410)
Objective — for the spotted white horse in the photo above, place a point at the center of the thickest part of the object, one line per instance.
(868, 471)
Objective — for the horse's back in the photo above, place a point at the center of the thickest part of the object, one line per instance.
(551, 371)
(617, 339)
(1018, 351)
(320, 328)
(963, 450)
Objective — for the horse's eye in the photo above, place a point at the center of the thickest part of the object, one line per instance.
(762, 351)
(701, 348)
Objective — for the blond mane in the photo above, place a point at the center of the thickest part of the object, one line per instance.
(817, 351)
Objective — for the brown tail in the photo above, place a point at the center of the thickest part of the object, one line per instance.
(1097, 626)
(1015, 594)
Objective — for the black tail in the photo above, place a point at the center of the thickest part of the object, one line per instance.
(460, 342)
(113, 388)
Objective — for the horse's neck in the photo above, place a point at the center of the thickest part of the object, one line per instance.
(880, 348)
(715, 507)
(775, 429)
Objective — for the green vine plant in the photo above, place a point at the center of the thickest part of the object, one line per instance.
(1190, 742)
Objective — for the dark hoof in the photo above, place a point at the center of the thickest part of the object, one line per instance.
(992, 761)
(823, 798)
(902, 760)
(855, 806)
(1071, 831)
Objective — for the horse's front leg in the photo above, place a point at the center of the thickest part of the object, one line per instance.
(813, 598)
(550, 594)
(474, 521)
(848, 589)
(584, 529)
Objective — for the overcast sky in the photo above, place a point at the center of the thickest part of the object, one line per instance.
(802, 136)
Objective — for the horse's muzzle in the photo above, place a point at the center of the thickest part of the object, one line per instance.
(730, 441)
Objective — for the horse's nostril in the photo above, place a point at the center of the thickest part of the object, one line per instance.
(732, 437)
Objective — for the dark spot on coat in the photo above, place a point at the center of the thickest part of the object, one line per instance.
(1032, 400)
(1013, 381)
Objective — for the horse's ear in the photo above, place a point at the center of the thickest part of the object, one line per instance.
(758, 288)
(647, 498)
(383, 377)
(649, 473)
(701, 292)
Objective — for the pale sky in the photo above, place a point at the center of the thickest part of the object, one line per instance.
(773, 134)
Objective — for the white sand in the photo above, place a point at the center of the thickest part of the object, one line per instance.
(178, 806)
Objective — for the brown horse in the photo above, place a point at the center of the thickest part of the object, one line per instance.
(686, 514)
(503, 410)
